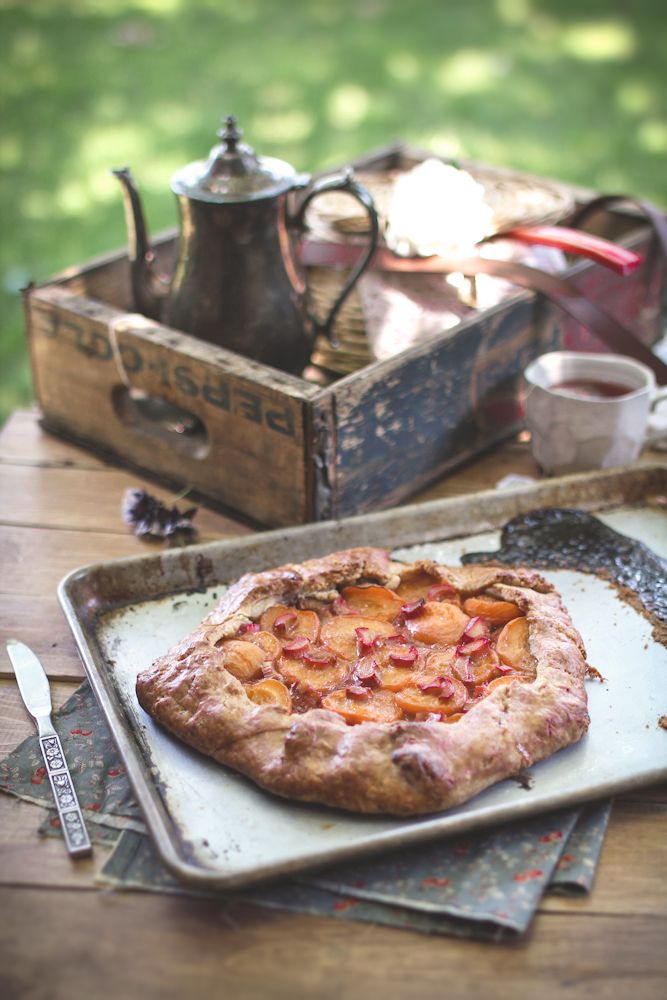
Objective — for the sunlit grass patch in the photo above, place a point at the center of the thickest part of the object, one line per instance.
(600, 41)
(569, 90)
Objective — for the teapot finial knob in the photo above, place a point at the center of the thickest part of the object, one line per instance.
(230, 134)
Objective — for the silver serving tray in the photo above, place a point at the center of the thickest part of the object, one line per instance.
(213, 828)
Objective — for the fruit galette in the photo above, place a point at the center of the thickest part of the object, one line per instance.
(376, 686)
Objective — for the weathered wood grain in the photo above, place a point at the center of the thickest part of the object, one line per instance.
(145, 947)
(35, 559)
(434, 406)
(24, 442)
(31, 861)
(39, 622)
(75, 498)
(104, 377)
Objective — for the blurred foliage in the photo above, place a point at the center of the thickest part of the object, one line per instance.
(572, 89)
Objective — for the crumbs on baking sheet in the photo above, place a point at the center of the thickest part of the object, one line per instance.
(524, 779)
(594, 674)
(662, 721)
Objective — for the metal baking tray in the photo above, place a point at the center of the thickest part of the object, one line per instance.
(214, 828)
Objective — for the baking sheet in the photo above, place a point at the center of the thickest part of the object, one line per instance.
(213, 827)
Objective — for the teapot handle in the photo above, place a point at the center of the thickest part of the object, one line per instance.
(343, 182)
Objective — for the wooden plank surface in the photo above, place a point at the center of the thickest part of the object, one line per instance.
(90, 500)
(35, 559)
(30, 861)
(60, 508)
(242, 952)
(40, 623)
(66, 936)
(23, 441)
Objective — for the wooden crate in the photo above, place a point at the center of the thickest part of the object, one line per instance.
(271, 446)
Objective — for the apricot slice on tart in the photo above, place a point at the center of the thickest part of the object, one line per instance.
(484, 667)
(438, 623)
(287, 623)
(396, 665)
(321, 671)
(358, 704)
(372, 601)
(416, 583)
(513, 649)
(442, 591)
(501, 681)
(242, 659)
(345, 633)
(442, 695)
(270, 692)
(440, 661)
(266, 641)
(496, 612)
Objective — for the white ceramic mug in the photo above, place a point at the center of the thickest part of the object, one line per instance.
(588, 411)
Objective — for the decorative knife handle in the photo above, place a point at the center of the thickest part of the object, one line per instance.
(69, 811)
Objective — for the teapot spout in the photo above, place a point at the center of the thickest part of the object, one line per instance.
(149, 289)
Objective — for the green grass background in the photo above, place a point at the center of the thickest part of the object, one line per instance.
(573, 89)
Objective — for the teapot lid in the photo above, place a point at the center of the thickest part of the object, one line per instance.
(233, 173)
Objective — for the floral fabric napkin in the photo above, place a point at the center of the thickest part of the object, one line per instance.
(485, 885)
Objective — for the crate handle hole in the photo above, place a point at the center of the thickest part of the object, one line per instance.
(155, 417)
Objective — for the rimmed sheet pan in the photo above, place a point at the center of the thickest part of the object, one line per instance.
(215, 829)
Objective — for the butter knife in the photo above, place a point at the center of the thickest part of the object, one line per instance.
(34, 687)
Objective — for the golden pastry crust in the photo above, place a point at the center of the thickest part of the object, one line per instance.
(399, 768)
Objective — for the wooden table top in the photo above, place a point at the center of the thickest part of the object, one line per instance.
(61, 936)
